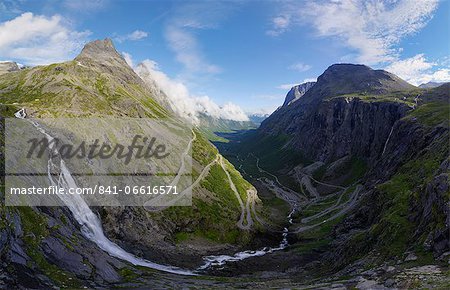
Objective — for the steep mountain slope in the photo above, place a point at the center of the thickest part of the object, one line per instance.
(45, 246)
(344, 95)
(297, 92)
(368, 137)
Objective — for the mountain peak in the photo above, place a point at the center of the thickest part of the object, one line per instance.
(100, 50)
(339, 79)
(8, 66)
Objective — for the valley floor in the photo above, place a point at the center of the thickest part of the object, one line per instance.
(318, 206)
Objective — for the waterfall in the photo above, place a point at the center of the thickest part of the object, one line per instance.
(387, 140)
(90, 223)
(221, 260)
(91, 226)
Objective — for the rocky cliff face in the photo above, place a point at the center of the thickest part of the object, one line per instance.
(297, 92)
(336, 117)
(340, 127)
(8, 66)
(401, 133)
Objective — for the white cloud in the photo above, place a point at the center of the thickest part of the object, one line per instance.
(228, 111)
(308, 80)
(187, 51)
(185, 22)
(289, 86)
(417, 70)
(263, 111)
(286, 86)
(128, 58)
(279, 25)
(133, 36)
(371, 28)
(180, 99)
(300, 67)
(37, 39)
(137, 34)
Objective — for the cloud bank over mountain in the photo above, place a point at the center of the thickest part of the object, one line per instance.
(179, 97)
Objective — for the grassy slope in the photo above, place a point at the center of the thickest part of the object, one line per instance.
(70, 90)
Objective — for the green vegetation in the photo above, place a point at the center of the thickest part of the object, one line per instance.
(274, 210)
(273, 153)
(62, 90)
(353, 170)
(319, 172)
(202, 150)
(317, 238)
(241, 184)
(128, 275)
(357, 170)
(405, 97)
(211, 136)
(35, 229)
(432, 114)
(394, 230)
(318, 207)
(215, 218)
(217, 182)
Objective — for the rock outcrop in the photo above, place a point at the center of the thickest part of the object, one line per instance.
(297, 92)
(8, 66)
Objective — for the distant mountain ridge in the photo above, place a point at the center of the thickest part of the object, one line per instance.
(431, 85)
(258, 118)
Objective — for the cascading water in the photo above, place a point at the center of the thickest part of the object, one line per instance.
(220, 260)
(91, 225)
(92, 228)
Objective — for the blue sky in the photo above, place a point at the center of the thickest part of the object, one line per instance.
(248, 53)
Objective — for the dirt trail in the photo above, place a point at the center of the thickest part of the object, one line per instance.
(327, 184)
(245, 210)
(293, 197)
(276, 179)
(345, 207)
(252, 195)
(290, 197)
(309, 187)
(324, 212)
(158, 204)
(245, 221)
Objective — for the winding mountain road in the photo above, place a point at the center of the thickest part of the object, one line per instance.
(345, 208)
(276, 178)
(244, 208)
